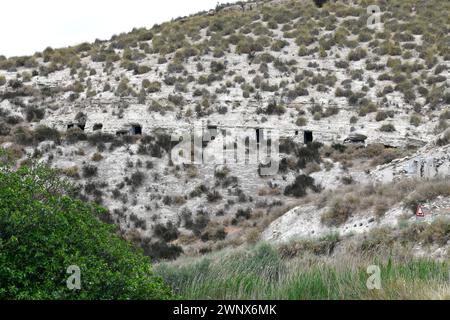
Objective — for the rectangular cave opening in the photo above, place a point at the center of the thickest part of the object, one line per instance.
(136, 129)
(97, 126)
(212, 131)
(258, 132)
(308, 136)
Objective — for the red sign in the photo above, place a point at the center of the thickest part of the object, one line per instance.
(419, 211)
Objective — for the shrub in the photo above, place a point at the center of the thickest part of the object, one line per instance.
(298, 91)
(415, 120)
(217, 66)
(89, 171)
(273, 107)
(278, 44)
(167, 232)
(142, 69)
(427, 192)
(357, 54)
(340, 211)
(71, 172)
(214, 235)
(34, 114)
(23, 136)
(301, 121)
(161, 250)
(387, 128)
(299, 187)
(38, 216)
(137, 179)
(366, 108)
(2, 80)
(342, 64)
(444, 140)
(381, 115)
(197, 225)
(99, 138)
(243, 214)
(13, 120)
(42, 133)
(307, 154)
(4, 129)
(248, 45)
(175, 68)
(213, 196)
(151, 87)
(97, 157)
(439, 68)
(176, 99)
(123, 89)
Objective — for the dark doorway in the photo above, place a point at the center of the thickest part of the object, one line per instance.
(81, 126)
(258, 131)
(308, 136)
(70, 126)
(136, 129)
(212, 132)
(296, 132)
(98, 126)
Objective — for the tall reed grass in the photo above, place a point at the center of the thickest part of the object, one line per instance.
(262, 273)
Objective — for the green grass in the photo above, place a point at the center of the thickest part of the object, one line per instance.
(262, 273)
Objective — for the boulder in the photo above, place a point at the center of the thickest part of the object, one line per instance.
(355, 138)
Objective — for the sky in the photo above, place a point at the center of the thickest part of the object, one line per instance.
(27, 26)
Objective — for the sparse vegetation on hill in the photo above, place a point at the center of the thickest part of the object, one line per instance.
(357, 109)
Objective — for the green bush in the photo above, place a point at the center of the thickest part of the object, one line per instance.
(381, 115)
(42, 133)
(4, 129)
(299, 187)
(175, 67)
(137, 179)
(415, 120)
(151, 87)
(89, 171)
(167, 232)
(444, 140)
(2, 80)
(44, 231)
(34, 114)
(176, 99)
(273, 107)
(357, 54)
(248, 45)
(301, 121)
(123, 88)
(340, 211)
(277, 45)
(387, 128)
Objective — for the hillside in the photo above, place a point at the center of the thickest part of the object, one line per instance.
(103, 114)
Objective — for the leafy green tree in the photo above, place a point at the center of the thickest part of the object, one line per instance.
(44, 230)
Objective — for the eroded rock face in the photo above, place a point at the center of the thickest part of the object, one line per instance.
(303, 222)
(425, 164)
(429, 162)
